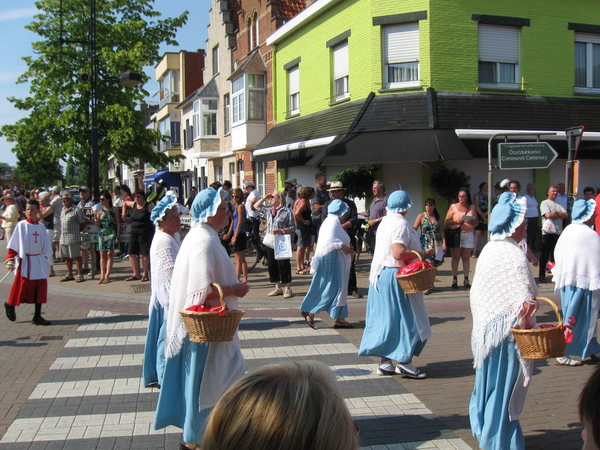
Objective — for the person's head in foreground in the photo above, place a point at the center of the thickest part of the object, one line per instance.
(589, 412)
(288, 406)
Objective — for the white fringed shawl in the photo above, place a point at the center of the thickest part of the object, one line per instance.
(163, 253)
(577, 256)
(502, 283)
(201, 261)
(332, 237)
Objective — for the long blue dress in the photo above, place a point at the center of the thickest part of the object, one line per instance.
(325, 288)
(391, 330)
(489, 406)
(577, 303)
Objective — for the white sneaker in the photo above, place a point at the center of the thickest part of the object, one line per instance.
(567, 361)
(275, 292)
(288, 293)
(386, 369)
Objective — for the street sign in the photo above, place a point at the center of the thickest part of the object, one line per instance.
(573, 140)
(525, 155)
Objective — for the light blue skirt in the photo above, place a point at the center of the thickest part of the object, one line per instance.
(390, 330)
(325, 287)
(577, 302)
(178, 399)
(488, 409)
(154, 354)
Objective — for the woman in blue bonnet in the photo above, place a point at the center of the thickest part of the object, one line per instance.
(502, 296)
(331, 268)
(197, 374)
(577, 278)
(163, 252)
(397, 324)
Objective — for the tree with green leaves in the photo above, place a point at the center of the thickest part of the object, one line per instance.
(58, 126)
(358, 182)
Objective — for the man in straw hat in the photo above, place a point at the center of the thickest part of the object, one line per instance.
(502, 296)
(577, 278)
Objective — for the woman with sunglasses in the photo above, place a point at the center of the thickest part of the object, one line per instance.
(142, 231)
(109, 227)
(461, 220)
(237, 234)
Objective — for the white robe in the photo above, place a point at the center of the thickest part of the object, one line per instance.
(31, 243)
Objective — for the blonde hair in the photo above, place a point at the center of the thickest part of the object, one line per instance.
(291, 406)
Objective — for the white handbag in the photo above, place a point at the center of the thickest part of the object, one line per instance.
(283, 246)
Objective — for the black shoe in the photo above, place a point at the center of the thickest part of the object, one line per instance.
(10, 312)
(356, 294)
(40, 321)
(543, 280)
(466, 284)
(85, 270)
(454, 283)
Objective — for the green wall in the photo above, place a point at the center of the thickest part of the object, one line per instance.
(448, 47)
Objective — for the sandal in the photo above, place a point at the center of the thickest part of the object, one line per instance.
(132, 278)
(467, 284)
(343, 325)
(454, 283)
(67, 278)
(145, 276)
(309, 321)
(101, 281)
(79, 279)
(52, 273)
(106, 280)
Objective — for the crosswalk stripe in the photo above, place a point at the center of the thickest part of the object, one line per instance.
(115, 425)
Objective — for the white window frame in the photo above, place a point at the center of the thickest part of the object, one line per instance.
(261, 177)
(499, 45)
(401, 50)
(238, 100)
(592, 43)
(256, 96)
(341, 72)
(210, 109)
(293, 76)
(199, 115)
(196, 122)
(227, 112)
(232, 176)
(219, 173)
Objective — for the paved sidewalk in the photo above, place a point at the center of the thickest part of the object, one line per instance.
(105, 324)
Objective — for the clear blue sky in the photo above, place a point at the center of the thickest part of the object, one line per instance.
(16, 43)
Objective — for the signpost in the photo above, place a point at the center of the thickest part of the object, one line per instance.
(525, 155)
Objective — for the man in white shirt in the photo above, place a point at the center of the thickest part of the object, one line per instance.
(252, 214)
(554, 212)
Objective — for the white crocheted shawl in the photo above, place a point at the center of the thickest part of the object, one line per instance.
(393, 229)
(163, 253)
(202, 260)
(502, 283)
(577, 256)
(331, 237)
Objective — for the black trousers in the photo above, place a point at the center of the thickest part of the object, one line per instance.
(280, 271)
(352, 278)
(253, 224)
(532, 233)
(548, 243)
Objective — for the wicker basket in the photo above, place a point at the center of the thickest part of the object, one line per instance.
(542, 343)
(211, 326)
(418, 281)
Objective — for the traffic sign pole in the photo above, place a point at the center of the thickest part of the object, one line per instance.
(573, 140)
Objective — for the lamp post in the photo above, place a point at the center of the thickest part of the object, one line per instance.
(129, 79)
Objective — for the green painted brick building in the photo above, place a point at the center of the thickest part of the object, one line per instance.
(401, 83)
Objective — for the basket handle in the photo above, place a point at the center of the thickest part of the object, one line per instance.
(420, 259)
(221, 297)
(554, 307)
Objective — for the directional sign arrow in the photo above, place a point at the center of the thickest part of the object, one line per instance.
(525, 155)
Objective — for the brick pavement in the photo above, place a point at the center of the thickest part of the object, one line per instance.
(549, 419)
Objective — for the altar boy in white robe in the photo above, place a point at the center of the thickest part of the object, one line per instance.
(30, 256)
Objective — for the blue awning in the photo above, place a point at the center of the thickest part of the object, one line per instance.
(153, 178)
